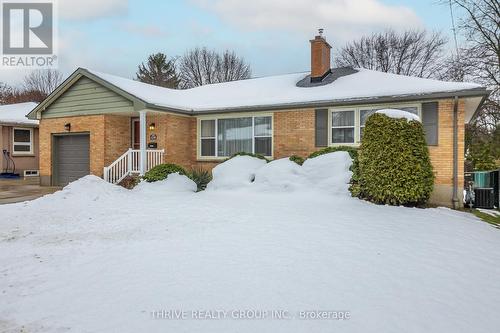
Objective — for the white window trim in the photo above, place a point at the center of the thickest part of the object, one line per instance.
(208, 137)
(357, 119)
(232, 116)
(330, 120)
(14, 143)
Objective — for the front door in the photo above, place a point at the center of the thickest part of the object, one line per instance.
(136, 134)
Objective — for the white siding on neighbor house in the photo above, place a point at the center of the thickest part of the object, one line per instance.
(87, 97)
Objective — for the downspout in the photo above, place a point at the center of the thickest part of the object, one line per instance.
(455, 201)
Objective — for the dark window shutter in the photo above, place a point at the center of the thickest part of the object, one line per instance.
(321, 128)
(430, 122)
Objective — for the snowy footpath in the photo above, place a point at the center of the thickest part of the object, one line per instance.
(266, 248)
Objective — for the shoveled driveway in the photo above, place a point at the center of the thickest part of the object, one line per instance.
(18, 190)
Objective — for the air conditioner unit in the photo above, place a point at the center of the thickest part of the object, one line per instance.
(484, 198)
(31, 173)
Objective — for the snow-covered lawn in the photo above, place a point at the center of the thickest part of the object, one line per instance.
(98, 258)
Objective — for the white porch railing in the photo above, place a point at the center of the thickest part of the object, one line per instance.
(130, 162)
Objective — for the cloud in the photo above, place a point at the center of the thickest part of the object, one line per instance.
(91, 9)
(149, 31)
(350, 17)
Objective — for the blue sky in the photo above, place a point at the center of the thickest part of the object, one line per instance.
(116, 35)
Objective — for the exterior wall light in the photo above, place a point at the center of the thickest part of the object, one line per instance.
(152, 126)
(67, 127)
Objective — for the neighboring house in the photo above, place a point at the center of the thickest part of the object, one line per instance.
(18, 139)
(91, 121)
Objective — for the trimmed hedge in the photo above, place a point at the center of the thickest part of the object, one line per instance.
(394, 163)
(242, 153)
(161, 172)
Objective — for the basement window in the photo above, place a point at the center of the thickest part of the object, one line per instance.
(22, 141)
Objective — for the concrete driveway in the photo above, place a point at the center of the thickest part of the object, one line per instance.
(18, 190)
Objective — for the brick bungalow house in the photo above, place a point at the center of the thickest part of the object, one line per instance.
(18, 140)
(109, 126)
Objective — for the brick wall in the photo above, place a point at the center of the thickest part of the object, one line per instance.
(93, 124)
(442, 154)
(294, 133)
(180, 140)
(117, 137)
(109, 138)
(177, 135)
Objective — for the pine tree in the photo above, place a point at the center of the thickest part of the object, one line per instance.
(159, 71)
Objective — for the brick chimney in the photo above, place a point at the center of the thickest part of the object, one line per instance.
(320, 57)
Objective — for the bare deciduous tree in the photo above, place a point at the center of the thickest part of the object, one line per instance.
(159, 70)
(480, 55)
(413, 52)
(13, 95)
(478, 60)
(201, 66)
(5, 93)
(42, 82)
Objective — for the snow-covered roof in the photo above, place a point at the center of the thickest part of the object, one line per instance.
(16, 114)
(282, 90)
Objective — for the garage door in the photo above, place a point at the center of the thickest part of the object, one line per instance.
(71, 158)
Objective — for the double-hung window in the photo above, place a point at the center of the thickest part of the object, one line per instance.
(207, 138)
(262, 134)
(348, 125)
(227, 136)
(343, 126)
(22, 141)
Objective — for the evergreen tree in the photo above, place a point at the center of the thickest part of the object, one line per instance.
(159, 70)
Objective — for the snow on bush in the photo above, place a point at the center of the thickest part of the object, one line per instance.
(399, 114)
(330, 171)
(280, 175)
(175, 182)
(234, 173)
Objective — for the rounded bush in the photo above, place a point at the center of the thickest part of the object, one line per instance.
(161, 172)
(394, 163)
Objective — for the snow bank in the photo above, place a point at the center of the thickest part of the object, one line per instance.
(280, 175)
(329, 172)
(174, 183)
(234, 173)
(399, 114)
(89, 188)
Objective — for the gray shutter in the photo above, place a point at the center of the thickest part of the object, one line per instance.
(430, 119)
(321, 128)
